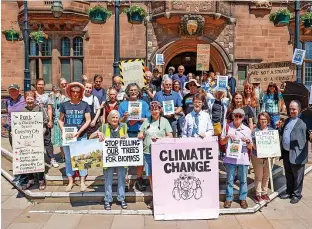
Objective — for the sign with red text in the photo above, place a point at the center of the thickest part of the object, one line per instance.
(28, 148)
(185, 178)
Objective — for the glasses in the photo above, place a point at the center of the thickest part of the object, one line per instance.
(191, 85)
(271, 86)
(238, 116)
(248, 88)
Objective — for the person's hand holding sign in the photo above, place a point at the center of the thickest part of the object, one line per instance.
(154, 138)
(202, 135)
(141, 135)
(100, 136)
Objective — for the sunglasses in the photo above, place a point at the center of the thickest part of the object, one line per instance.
(191, 85)
(271, 86)
(238, 116)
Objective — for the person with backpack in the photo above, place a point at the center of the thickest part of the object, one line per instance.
(95, 108)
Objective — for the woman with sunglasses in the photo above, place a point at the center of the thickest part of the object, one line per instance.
(237, 131)
(197, 123)
(261, 165)
(152, 129)
(238, 102)
(273, 104)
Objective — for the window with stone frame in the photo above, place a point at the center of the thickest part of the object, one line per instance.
(242, 74)
(40, 58)
(71, 58)
(307, 64)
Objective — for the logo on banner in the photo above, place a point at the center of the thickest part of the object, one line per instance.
(187, 186)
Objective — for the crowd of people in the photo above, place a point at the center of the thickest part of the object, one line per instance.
(201, 109)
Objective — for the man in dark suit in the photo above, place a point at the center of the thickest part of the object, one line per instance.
(294, 152)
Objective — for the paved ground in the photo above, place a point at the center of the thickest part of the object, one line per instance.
(279, 214)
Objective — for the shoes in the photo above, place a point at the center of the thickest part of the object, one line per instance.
(83, 187)
(227, 204)
(295, 200)
(69, 187)
(28, 185)
(243, 204)
(139, 184)
(54, 163)
(266, 197)
(285, 196)
(123, 204)
(42, 185)
(258, 199)
(107, 206)
(150, 205)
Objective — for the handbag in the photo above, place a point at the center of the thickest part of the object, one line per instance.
(217, 129)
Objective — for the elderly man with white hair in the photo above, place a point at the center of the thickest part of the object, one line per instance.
(167, 94)
(149, 91)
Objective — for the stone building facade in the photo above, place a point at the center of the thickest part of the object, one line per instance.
(239, 34)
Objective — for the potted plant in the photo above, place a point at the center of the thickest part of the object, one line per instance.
(38, 36)
(98, 14)
(280, 17)
(11, 35)
(307, 20)
(135, 14)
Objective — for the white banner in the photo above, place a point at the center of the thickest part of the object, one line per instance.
(268, 144)
(122, 152)
(28, 147)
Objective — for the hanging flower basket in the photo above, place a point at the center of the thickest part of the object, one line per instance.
(280, 17)
(38, 36)
(135, 14)
(98, 14)
(11, 35)
(307, 20)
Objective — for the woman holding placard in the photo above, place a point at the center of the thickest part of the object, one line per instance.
(152, 129)
(113, 129)
(261, 165)
(30, 98)
(237, 137)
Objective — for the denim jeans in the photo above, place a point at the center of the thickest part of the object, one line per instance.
(180, 125)
(68, 165)
(108, 176)
(242, 177)
(174, 125)
(274, 119)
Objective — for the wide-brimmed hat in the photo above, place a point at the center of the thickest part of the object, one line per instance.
(171, 68)
(74, 84)
(191, 81)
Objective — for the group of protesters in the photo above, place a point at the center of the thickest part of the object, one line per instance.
(201, 109)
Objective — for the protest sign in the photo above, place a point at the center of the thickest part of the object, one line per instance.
(222, 82)
(160, 59)
(168, 107)
(68, 135)
(234, 149)
(185, 178)
(272, 72)
(135, 110)
(203, 57)
(122, 152)
(132, 71)
(298, 56)
(28, 147)
(86, 154)
(268, 144)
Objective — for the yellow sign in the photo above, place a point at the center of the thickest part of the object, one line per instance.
(132, 71)
(203, 57)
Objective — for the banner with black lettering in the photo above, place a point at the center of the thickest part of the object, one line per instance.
(122, 152)
(185, 178)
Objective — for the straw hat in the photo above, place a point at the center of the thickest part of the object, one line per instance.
(74, 84)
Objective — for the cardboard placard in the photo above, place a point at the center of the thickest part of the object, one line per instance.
(132, 71)
(28, 146)
(122, 152)
(268, 144)
(203, 57)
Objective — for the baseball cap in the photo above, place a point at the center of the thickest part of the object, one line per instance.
(14, 86)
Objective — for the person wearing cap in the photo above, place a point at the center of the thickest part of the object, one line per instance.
(133, 93)
(187, 102)
(171, 71)
(113, 129)
(231, 82)
(117, 85)
(149, 91)
(156, 79)
(180, 76)
(167, 94)
(197, 123)
(236, 130)
(152, 129)
(75, 113)
(44, 101)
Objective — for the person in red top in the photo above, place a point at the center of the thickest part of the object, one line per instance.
(111, 104)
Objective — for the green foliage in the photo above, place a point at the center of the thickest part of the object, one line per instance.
(273, 16)
(307, 16)
(37, 35)
(99, 8)
(135, 9)
(11, 33)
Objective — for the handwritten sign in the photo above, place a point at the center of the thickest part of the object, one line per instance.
(268, 144)
(135, 110)
(203, 57)
(132, 71)
(86, 154)
(122, 152)
(234, 149)
(298, 56)
(28, 148)
(272, 72)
